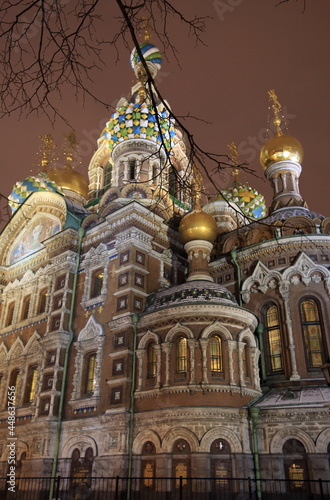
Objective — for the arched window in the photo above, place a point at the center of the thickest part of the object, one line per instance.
(148, 465)
(181, 355)
(181, 462)
(273, 346)
(89, 374)
(173, 183)
(152, 363)
(42, 301)
(312, 330)
(221, 465)
(14, 384)
(295, 464)
(31, 384)
(131, 169)
(10, 314)
(246, 360)
(216, 356)
(26, 307)
(107, 176)
(97, 283)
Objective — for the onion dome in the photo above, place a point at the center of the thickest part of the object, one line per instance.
(198, 225)
(189, 294)
(140, 121)
(281, 147)
(68, 178)
(150, 54)
(31, 184)
(249, 200)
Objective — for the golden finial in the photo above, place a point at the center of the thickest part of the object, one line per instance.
(44, 151)
(72, 142)
(277, 108)
(234, 154)
(147, 28)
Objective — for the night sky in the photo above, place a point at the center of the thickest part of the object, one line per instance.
(251, 46)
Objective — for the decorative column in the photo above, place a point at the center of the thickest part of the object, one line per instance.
(284, 291)
(192, 343)
(158, 349)
(231, 345)
(167, 348)
(140, 355)
(204, 343)
(241, 346)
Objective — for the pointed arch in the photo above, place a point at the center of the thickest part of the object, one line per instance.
(216, 327)
(16, 349)
(147, 337)
(92, 330)
(178, 329)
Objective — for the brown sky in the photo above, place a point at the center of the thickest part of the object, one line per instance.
(251, 47)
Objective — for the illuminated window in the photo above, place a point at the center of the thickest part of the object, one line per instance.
(42, 302)
(152, 364)
(148, 465)
(97, 283)
(90, 374)
(181, 355)
(312, 330)
(216, 355)
(273, 338)
(181, 464)
(10, 314)
(31, 384)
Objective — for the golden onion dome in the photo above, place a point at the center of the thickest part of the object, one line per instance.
(68, 178)
(198, 225)
(281, 147)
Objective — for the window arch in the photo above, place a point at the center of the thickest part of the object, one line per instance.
(97, 283)
(10, 314)
(42, 301)
(181, 355)
(31, 384)
(14, 384)
(312, 332)
(151, 360)
(26, 307)
(181, 462)
(216, 360)
(295, 464)
(221, 465)
(148, 466)
(271, 320)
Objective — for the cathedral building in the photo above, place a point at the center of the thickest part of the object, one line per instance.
(144, 333)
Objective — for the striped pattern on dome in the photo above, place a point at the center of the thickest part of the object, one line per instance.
(248, 199)
(23, 189)
(150, 54)
(138, 121)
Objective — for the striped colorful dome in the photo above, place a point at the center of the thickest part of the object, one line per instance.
(150, 54)
(248, 199)
(139, 121)
(23, 189)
